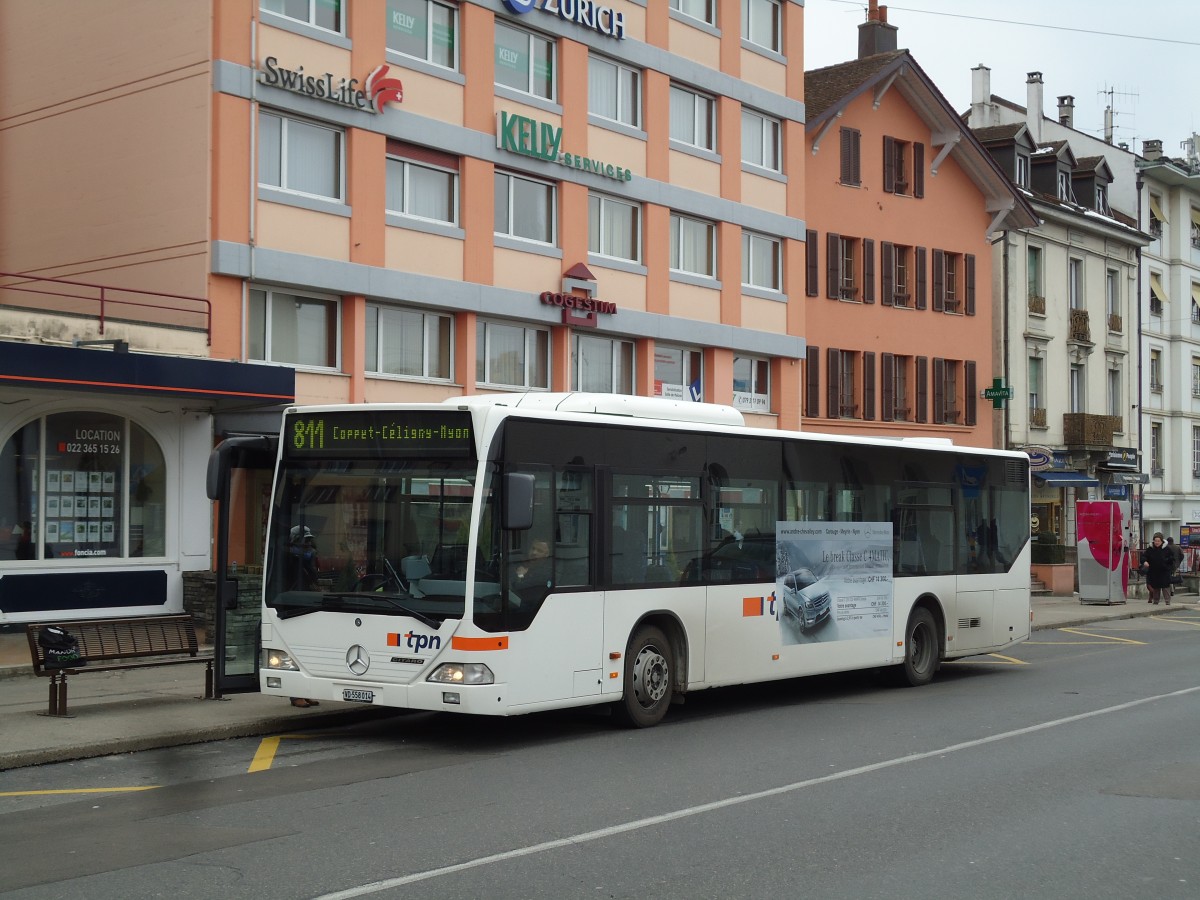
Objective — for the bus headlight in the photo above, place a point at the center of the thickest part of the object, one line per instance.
(463, 673)
(277, 659)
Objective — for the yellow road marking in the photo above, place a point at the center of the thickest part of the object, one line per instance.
(1104, 637)
(1195, 622)
(113, 790)
(265, 755)
(1069, 643)
(999, 660)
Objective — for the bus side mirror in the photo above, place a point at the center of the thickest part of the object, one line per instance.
(517, 508)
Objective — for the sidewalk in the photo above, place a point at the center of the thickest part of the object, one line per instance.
(141, 709)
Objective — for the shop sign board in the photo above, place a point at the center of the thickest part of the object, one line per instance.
(543, 140)
(585, 13)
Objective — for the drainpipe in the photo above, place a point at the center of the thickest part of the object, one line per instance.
(1141, 422)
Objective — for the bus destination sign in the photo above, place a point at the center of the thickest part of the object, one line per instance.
(379, 434)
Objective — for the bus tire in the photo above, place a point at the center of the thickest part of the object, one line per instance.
(921, 649)
(649, 679)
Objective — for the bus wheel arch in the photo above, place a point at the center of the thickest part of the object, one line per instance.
(924, 643)
(655, 658)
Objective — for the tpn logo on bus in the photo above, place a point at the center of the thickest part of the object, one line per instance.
(586, 13)
(415, 642)
(542, 140)
(377, 90)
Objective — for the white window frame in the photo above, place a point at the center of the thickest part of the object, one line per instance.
(530, 338)
(1156, 384)
(690, 362)
(286, 121)
(770, 131)
(1114, 395)
(1112, 292)
(1075, 282)
(552, 187)
(407, 167)
(311, 19)
(1195, 376)
(267, 352)
(752, 13)
(847, 268)
(751, 240)
(430, 5)
(1064, 187)
(620, 376)
(682, 95)
(758, 397)
(953, 296)
(1033, 279)
(1076, 389)
(620, 73)
(678, 223)
(529, 72)
(1022, 170)
(1035, 376)
(1156, 459)
(431, 347)
(1196, 450)
(707, 10)
(599, 239)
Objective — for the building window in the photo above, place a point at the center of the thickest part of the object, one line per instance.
(953, 293)
(945, 391)
(602, 365)
(851, 157)
(678, 373)
(512, 356)
(901, 276)
(896, 400)
(1022, 170)
(1036, 402)
(903, 167)
(693, 246)
(1196, 228)
(422, 191)
(1158, 296)
(1064, 187)
(1196, 451)
(761, 23)
(408, 342)
(1112, 299)
(614, 92)
(524, 61)
(1156, 383)
(1195, 376)
(294, 329)
(1075, 283)
(1115, 404)
(693, 118)
(325, 14)
(425, 30)
(1158, 217)
(752, 384)
(299, 156)
(525, 208)
(762, 261)
(1076, 398)
(761, 140)
(704, 10)
(614, 228)
(1156, 458)
(847, 384)
(1102, 199)
(1033, 270)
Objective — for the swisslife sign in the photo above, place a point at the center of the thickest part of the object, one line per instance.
(584, 13)
(369, 95)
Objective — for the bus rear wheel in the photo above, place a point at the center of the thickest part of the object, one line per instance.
(920, 648)
(649, 679)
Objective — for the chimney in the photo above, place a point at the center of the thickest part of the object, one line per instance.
(1033, 105)
(981, 96)
(1066, 110)
(1152, 150)
(875, 35)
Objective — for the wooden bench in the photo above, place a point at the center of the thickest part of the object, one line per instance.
(107, 645)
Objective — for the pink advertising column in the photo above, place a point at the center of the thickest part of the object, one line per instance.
(1103, 551)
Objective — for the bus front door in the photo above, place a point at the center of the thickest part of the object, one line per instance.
(239, 482)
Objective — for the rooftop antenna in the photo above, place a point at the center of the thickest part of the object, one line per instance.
(1191, 150)
(1111, 112)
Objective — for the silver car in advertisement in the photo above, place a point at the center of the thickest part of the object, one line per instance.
(805, 597)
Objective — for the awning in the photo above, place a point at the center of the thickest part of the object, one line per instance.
(1196, 293)
(1196, 217)
(1066, 479)
(1156, 209)
(1156, 286)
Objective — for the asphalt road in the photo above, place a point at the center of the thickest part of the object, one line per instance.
(1067, 768)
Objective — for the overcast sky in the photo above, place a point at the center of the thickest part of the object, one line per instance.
(1082, 47)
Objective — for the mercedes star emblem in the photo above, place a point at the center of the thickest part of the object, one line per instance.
(358, 660)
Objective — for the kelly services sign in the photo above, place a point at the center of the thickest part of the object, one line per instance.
(542, 140)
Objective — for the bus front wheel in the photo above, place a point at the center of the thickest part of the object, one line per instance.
(920, 648)
(649, 679)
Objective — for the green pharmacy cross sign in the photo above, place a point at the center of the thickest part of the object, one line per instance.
(997, 393)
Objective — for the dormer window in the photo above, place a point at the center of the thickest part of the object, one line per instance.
(1064, 187)
(1102, 199)
(1022, 171)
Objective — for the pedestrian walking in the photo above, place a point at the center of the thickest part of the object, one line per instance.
(1157, 565)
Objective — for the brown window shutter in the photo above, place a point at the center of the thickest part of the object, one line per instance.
(918, 170)
(939, 281)
(919, 295)
(833, 371)
(970, 399)
(812, 373)
(850, 156)
(889, 164)
(887, 267)
(868, 390)
(868, 285)
(856, 144)
(939, 391)
(970, 276)
(922, 389)
(811, 276)
(887, 394)
(833, 265)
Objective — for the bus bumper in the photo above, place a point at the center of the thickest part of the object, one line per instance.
(483, 699)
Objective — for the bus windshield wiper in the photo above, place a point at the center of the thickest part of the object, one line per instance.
(390, 599)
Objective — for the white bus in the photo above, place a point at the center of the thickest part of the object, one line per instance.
(505, 554)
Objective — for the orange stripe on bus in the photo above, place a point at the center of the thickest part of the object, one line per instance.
(476, 643)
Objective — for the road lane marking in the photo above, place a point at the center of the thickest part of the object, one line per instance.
(376, 887)
(1195, 622)
(997, 659)
(1104, 637)
(264, 756)
(109, 790)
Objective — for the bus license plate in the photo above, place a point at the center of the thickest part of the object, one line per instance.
(356, 696)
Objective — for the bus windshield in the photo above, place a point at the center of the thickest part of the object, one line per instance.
(375, 536)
